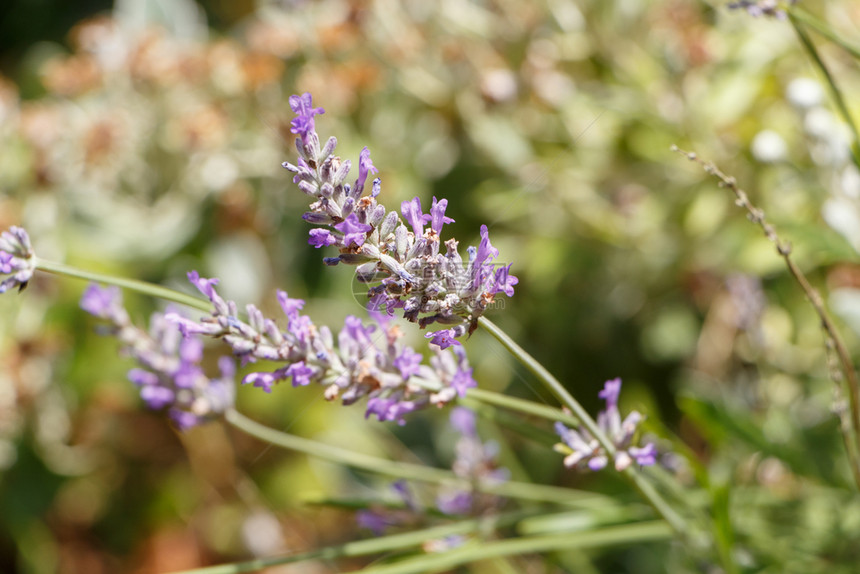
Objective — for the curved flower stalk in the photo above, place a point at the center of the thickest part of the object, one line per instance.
(584, 451)
(368, 360)
(170, 376)
(406, 266)
(17, 259)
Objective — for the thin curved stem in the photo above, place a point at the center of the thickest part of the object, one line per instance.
(348, 457)
(133, 284)
(521, 406)
(835, 92)
(823, 29)
(644, 487)
(851, 427)
(371, 546)
(435, 562)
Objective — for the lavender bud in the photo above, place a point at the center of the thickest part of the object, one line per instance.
(377, 216)
(367, 272)
(328, 149)
(401, 240)
(342, 172)
(308, 188)
(355, 258)
(348, 207)
(317, 218)
(388, 225)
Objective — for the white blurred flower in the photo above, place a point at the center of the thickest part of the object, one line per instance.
(769, 147)
(804, 93)
(842, 214)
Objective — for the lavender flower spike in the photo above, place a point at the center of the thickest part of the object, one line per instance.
(476, 462)
(362, 364)
(17, 259)
(169, 374)
(582, 451)
(405, 265)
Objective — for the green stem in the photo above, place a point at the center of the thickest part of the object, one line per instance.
(835, 92)
(468, 553)
(625, 534)
(521, 406)
(644, 487)
(348, 457)
(372, 546)
(823, 29)
(133, 284)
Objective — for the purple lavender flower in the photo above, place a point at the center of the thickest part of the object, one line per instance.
(303, 123)
(365, 167)
(17, 259)
(321, 238)
(368, 360)
(475, 462)
(437, 215)
(504, 282)
(169, 374)
(757, 8)
(372, 520)
(104, 303)
(463, 421)
(379, 520)
(584, 451)
(444, 338)
(411, 210)
(354, 232)
(407, 269)
(408, 362)
(301, 374)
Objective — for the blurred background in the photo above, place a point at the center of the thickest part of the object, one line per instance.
(144, 138)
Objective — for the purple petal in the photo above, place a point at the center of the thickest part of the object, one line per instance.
(437, 215)
(411, 210)
(463, 421)
(610, 392)
(300, 373)
(101, 301)
(321, 238)
(156, 397)
(365, 167)
(644, 456)
(303, 123)
(353, 230)
(444, 338)
(408, 362)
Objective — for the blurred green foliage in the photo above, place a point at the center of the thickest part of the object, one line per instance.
(146, 142)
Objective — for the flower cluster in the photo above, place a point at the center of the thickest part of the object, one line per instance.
(584, 451)
(368, 360)
(757, 8)
(17, 259)
(405, 265)
(170, 376)
(475, 463)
